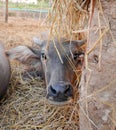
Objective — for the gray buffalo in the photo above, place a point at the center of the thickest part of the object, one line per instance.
(59, 60)
(4, 72)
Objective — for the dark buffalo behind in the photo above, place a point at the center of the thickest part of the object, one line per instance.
(4, 72)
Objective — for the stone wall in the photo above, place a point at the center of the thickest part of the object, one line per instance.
(98, 83)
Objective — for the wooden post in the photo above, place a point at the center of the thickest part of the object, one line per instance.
(6, 12)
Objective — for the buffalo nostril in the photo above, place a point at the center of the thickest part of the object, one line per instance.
(53, 90)
(67, 90)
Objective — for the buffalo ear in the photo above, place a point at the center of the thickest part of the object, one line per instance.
(80, 42)
(43, 37)
(37, 41)
(24, 54)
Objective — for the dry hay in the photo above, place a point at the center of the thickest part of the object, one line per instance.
(26, 107)
(67, 17)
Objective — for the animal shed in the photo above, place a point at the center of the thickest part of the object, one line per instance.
(25, 106)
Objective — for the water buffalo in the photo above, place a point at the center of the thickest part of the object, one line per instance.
(60, 61)
(4, 72)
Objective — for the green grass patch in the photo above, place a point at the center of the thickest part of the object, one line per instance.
(40, 5)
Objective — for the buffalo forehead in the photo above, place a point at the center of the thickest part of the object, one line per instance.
(61, 48)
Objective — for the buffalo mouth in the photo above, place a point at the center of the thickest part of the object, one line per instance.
(59, 102)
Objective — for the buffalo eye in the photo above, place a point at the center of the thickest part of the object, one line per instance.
(78, 55)
(75, 56)
(43, 56)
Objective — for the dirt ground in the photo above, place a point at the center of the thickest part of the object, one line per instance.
(19, 31)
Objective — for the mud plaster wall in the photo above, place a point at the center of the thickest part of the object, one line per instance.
(98, 84)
